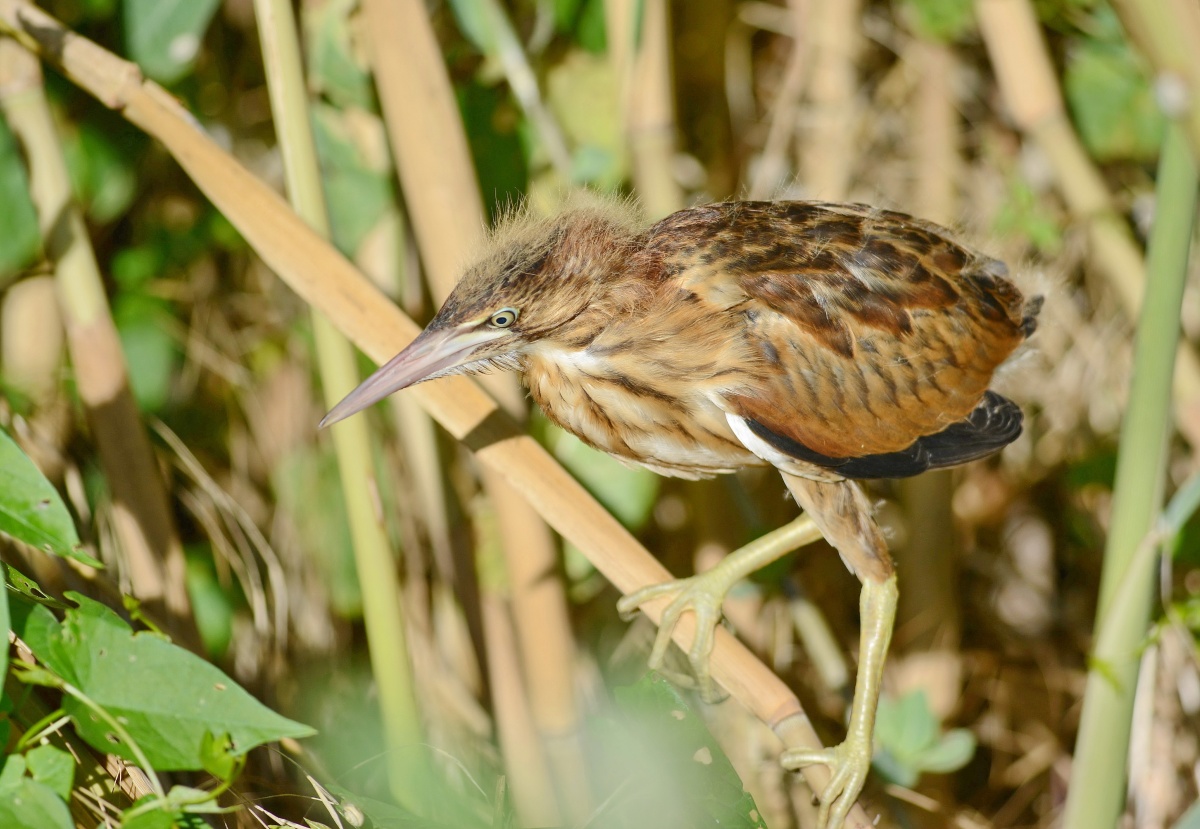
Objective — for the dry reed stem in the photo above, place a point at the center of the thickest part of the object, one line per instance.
(31, 338)
(930, 617)
(650, 115)
(525, 763)
(141, 508)
(414, 86)
(827, 158)
(326, 280)
(1029, 86)
(785, 110)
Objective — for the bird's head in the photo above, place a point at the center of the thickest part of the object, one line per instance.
(535, 280)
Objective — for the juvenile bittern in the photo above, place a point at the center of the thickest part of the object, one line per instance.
(831, 341)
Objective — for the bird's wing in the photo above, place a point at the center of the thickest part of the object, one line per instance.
(992, 425)
(873, 329)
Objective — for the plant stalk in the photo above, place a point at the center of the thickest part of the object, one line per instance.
(382, 612)
(1098, 775)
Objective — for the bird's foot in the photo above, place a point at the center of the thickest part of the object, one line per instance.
(848, 764)
(702, 594)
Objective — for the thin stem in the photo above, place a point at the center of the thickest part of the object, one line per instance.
(373, 557)
(1097, 788)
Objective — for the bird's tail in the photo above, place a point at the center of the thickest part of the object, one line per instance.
(1030, 314)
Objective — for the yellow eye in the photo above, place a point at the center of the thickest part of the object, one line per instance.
(503, 318)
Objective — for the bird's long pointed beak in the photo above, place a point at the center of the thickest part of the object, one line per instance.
(433, 351)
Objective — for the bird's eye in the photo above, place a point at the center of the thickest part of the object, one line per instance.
(503, 318)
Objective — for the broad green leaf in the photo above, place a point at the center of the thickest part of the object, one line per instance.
(20, 239)
(166, 698)
(29, 804)
(163, 36)
(53, 767)
(30, 508)
(906, 726)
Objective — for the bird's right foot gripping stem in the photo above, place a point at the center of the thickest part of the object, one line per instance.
(850, 760)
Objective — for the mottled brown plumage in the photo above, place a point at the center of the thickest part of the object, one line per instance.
(833, 341)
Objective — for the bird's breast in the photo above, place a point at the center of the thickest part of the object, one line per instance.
(640, 402)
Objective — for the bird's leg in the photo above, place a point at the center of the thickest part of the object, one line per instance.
(704, 593)
(842, 512)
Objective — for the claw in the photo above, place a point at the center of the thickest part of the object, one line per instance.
(848, 763)
(703, 595)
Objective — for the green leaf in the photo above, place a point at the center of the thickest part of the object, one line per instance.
(1189, 819)
(951, 753)
(336, 67)
(906, 726)
(28, 804)
(20, 238)
(1112, 101)
(475, 23)
(164, 36)
(143, 323)
(665, 769)
(941, 20)
(53, 767)
(359, 188)
(24, 586)
(101, 160)
(5, 627)
(31, 509)
(628, 493)
(166, 698)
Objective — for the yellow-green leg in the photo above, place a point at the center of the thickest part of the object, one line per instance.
(843, 514)
(850, 760)
(704, 593)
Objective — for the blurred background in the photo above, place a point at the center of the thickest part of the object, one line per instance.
(1031, 127)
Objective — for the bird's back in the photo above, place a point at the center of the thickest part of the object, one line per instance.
(868, 329)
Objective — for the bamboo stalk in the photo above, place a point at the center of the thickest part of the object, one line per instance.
(141, 509)
(1030, 90)
(373, 555)
(828, 159)
(931, 615)
(324, 279)
(650, 115)
(1098, 773)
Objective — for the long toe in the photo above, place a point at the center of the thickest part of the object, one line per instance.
(702, 595)
(849, 763)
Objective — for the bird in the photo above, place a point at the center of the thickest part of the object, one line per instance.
(836, 342)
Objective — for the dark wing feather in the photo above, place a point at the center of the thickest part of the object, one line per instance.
(995, 423)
